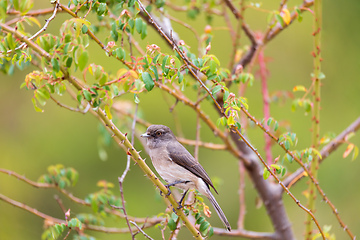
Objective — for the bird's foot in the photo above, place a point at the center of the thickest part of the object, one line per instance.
(180, 206)
(168, 188)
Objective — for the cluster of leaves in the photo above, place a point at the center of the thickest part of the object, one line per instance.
(304, 102)
(288, 139)
(271, 122)
(277, 169)
(60, 176)
(102, 198)
(57, 230)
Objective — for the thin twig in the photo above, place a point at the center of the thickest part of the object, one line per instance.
(151, 221)
(43, 29)
(122, 178)
(68, 107)
(140, 229)
(60, 221)
(59, 201)
(245, 234)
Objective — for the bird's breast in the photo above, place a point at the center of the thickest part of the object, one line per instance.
(170, 171)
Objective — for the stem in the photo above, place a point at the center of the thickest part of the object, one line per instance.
(316, 111)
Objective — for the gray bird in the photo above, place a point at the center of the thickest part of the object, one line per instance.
(178, 167)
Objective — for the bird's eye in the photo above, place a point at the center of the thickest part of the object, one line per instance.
(158, 133)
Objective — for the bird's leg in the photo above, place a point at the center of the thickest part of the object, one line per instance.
(172, 184)
(181, 200)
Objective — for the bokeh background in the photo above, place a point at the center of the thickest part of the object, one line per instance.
(31, 141)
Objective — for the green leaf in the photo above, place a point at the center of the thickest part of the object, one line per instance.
(154, 70)
(83, 60)
(101, 9)
(212, 66)
(172, 224)
(203, 227)
(289, 158)
(87, 95)
(131, 3)
(216, 89)
(230, 121)
(143, 31)
(55, 64)
(211, 232)
(180, 77)
(287, 144)
(226, 95)
(276, 126)
(120, 53)
(200, 220)
(74, 222)
(149, 82)
(355, 153)
(62, 184)
(84, 29)
(280, 19)
(68, 62)
(238, 125)
(266, 174)
(155, 59)
(138, 25)
(321, 76)
(108, 112)
(115, 89)
(164, 61)
(35, 106)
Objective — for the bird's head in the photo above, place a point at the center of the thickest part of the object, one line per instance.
(158, 134)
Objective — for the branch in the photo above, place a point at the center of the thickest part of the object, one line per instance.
(151, 221)
(140, 230)
(60, 221)
(317, 24)
(325, 151)
(127, 168)
(245, 234)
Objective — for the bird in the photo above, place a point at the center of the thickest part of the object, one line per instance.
(178, 167)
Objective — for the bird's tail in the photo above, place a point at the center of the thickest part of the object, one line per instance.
(218, 210)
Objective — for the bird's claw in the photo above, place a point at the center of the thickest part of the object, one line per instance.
(168, 193)
(180, 206)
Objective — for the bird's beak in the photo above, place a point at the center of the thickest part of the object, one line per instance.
(145, 135)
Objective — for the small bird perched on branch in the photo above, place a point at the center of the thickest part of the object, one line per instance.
(178, 167)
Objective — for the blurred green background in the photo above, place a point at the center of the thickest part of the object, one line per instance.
(31, 141)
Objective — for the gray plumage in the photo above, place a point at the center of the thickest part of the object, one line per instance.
(176, 165)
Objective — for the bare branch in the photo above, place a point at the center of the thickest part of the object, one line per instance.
(122, 178)
(140, 229)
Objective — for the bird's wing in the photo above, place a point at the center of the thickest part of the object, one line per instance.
(182, 157)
